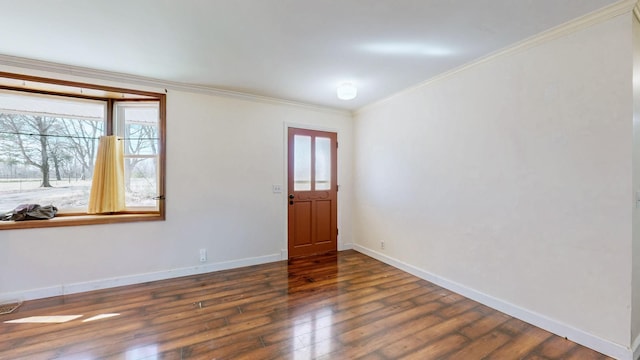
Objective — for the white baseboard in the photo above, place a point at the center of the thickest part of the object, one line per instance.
(635, 347)
(581, 337)
(347, 246)
(73, 288)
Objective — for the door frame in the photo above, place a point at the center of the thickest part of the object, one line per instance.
(284, 250)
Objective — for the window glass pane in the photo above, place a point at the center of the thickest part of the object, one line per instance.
(137, 123)
(47, 150)
(323, 163)
(141, 129)
(302, 163)
(141, 181)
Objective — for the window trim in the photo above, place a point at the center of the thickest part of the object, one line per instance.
(110, 94)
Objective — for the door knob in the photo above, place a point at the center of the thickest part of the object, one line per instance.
(290, 196)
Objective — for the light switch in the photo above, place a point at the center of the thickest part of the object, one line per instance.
(277, 189)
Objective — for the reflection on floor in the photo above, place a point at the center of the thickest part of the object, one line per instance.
(337, 306)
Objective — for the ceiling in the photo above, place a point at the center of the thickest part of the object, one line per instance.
(289, 49)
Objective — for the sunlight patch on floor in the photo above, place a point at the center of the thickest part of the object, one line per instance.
(51, 319)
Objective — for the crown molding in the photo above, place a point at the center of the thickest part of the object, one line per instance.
(572, 26)
(157, 84)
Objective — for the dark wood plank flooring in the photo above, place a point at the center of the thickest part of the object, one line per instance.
(340, 306)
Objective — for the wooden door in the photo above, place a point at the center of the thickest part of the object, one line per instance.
(312, 177)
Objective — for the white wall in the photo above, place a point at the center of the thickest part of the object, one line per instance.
(223, 156)
(635, 319)
(512, 178)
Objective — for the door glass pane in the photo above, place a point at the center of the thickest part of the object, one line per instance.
(302, 163)
(323, 163)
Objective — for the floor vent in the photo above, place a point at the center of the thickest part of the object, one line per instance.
(9, 308)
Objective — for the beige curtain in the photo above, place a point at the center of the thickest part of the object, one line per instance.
(107, 187)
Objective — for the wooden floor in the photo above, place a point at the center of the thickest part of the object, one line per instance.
(342, 306)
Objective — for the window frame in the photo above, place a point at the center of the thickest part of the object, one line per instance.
(110, 94)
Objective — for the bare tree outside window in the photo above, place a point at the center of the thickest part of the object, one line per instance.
(31, 140)
(83, 138)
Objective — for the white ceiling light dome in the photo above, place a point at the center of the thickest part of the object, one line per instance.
(347, 91)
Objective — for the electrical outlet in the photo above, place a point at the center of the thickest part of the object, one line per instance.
(203, 255)
(382, 245)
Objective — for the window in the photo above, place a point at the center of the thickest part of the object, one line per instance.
(49, 132)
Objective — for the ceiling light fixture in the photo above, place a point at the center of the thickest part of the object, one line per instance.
(347, 91)
(408, 49)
